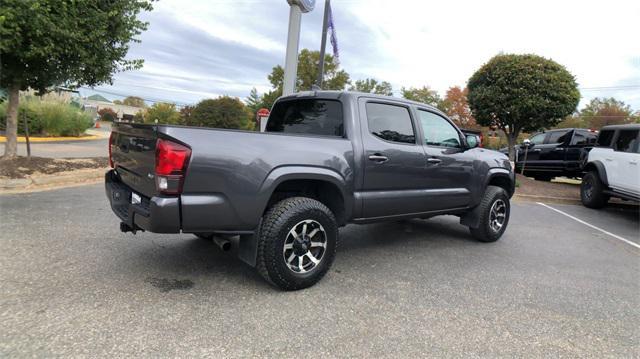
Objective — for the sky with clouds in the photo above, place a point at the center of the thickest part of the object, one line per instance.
(197, 49)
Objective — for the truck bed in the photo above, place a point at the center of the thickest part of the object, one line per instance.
(228, 180)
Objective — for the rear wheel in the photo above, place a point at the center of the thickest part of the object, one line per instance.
(592, 191)
(494, 211)
(297, 243)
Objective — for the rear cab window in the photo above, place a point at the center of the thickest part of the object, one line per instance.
(308, 117)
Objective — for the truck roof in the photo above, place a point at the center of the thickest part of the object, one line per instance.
(629, 126)
(334, 95)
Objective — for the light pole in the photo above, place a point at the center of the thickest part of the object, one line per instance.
(297, 7)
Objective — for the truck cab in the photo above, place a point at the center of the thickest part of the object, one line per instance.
(555, 153)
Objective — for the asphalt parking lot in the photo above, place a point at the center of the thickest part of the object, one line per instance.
(72, 285)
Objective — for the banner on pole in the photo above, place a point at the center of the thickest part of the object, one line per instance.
(334, 37)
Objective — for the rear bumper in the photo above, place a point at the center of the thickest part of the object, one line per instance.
(155, 214)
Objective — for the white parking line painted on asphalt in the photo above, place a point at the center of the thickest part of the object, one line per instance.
(592, 226)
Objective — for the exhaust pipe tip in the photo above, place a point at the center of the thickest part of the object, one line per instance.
(223, 243)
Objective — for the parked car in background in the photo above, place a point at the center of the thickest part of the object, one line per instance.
(613, 167)
(554, 153)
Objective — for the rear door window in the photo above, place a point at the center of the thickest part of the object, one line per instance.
(307, 116)
(627, 141)
(390, 123)
(604, 138)
(583, 138)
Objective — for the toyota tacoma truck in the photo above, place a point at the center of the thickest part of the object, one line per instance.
(326, 159)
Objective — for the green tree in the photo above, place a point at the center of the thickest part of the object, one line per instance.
(58, 42)
(134, 101)
(223, 112)
(107, 114)
(606, 111)
(423, 94)
(253, 101)
(185, 114)
(308, 61)
(369, 85)
(521, 93)
(572, 121)
(162, 112)
(269, 98)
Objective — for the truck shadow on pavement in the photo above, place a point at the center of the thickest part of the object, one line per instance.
(169, 263)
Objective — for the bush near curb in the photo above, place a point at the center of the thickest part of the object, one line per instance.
(49, 118)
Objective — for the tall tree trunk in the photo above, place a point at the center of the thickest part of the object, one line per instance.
(512, 137)
(11, 146)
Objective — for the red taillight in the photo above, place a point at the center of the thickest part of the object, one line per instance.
(481, 140)
(110, 145)
(171, 163)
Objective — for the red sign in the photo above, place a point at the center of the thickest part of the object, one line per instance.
(263, 112)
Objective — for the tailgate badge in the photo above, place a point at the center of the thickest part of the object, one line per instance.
(150, 175)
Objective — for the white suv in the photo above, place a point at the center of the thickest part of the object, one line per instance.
(613, 167)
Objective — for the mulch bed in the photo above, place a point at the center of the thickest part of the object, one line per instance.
(529, 186)
(21, 167)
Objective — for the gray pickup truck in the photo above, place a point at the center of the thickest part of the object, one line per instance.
(326, 159)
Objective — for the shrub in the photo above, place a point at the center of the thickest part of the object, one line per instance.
(223, 112)
(49, 118)
(161, 112)
(107, 114)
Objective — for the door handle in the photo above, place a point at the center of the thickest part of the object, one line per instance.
(559, 149)
(434, 160)
(633, 163)
(378, 158)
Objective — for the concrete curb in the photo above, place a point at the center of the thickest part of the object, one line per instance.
(55, 139)
(40, 182)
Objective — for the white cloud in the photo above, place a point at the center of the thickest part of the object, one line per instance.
(408, 43)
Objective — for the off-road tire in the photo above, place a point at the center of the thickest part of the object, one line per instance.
(597, 198)
(276, 224)
(484, 232)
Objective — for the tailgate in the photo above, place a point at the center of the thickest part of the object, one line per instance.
(133, 151)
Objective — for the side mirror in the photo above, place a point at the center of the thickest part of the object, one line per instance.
(527, 143)
(472, 141)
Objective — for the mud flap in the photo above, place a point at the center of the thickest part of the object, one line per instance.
(471, 219)
(248, 248)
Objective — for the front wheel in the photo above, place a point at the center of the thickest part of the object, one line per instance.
(592, 191)
(297, 243)
(494, 211)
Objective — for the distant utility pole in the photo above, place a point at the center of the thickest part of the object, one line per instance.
(323, 43)
(297, 7)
